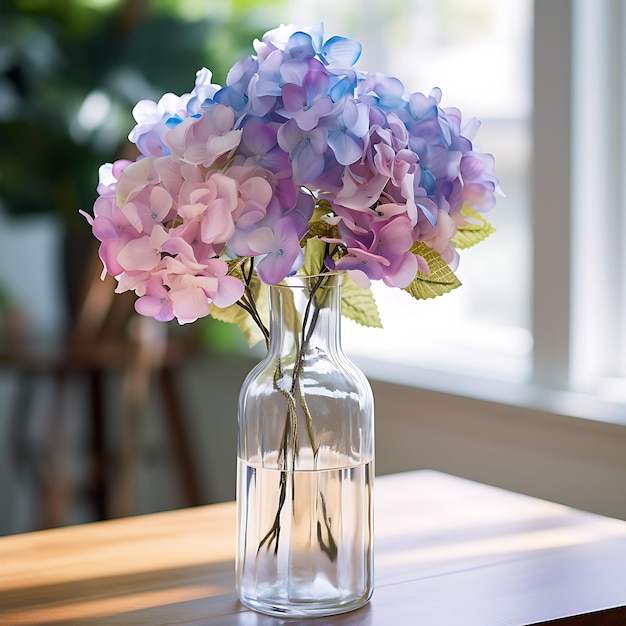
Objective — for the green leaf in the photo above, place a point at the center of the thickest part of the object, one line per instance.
(290, 315)
(472, 232)
(359, 304)
(322, 207)
(440, 280)
(314, 254)
(321, 228)
(234, 314)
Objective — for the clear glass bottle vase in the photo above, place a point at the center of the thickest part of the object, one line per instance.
(305, 462)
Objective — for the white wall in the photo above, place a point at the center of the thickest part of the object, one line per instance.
(575, 461)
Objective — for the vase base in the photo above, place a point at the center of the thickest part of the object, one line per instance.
(304, 609)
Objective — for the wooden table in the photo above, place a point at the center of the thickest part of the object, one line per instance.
(448, 552)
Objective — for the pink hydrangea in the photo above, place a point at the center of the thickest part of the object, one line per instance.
(297, 138)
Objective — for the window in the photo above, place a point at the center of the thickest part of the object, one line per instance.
(578, 281)
(598, 271)
(544, 300)
(478, 53)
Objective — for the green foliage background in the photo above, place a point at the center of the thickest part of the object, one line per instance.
(55, 54)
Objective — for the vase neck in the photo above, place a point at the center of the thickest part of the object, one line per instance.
(305, 312)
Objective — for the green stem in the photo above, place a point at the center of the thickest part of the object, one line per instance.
(247, 301)
(290, 433)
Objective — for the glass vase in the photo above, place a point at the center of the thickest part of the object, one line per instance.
(305, 463)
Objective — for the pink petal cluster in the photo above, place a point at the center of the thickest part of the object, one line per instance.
(235, 172)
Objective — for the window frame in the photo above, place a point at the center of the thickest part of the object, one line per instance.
(558, 435)
(577, 308)
(598, 304)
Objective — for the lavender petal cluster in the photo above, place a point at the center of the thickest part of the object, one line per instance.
(297, 135)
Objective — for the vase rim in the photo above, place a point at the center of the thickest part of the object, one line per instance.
(297, 279)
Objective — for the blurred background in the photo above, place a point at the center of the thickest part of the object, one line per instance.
(103, 414)
(91, 397)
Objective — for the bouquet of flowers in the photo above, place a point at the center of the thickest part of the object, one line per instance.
(300, 164)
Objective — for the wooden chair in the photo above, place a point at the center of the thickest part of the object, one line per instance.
(107, 337)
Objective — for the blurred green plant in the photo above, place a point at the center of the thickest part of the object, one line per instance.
(71, 71)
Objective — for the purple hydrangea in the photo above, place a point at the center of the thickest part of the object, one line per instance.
(298, 140)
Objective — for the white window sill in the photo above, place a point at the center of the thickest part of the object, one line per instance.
(505, 383)
(562, 446)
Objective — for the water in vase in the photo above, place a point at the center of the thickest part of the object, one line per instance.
(307, 536)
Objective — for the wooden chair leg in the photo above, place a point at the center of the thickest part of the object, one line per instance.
(25, 461)
(55, 485)
(98, 447)
(129, 445)
(19, 449)
(180, 439)
(147, 338)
